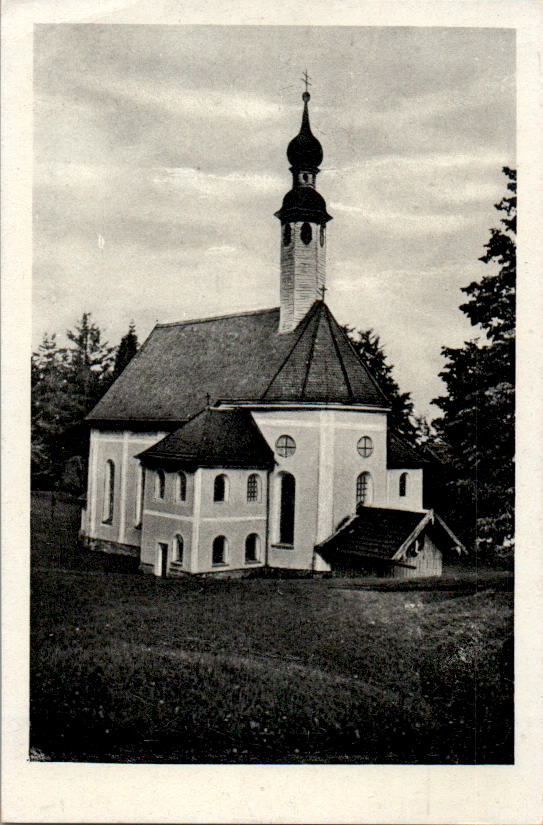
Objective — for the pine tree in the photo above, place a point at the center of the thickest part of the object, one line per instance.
(66, 383)
(90, 363)
(477, 425)
(50, 411)
(126, 350)
(401, 418)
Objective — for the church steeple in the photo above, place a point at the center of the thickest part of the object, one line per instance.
(303, 219)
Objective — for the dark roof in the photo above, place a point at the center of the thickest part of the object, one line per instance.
(373, 532)
(213, 438)
(305, 151)
(238, 358)
(401, 455)
(377, 532)
(303, 203)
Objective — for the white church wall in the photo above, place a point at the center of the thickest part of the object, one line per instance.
(349, 428)
(412, 500)
(235, 518)
(304, 427)
(120, 447)
(326, 465)
(164, 528)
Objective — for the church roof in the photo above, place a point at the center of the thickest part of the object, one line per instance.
(402, 455)
(238, 358)
(303, 203)
(378, 532)
(213, 438)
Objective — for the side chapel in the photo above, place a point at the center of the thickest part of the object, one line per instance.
(260, 439)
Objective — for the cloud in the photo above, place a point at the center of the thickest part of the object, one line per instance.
(170, 143)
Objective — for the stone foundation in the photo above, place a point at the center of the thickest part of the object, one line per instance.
(103, 546)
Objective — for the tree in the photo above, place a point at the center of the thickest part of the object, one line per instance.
(50, 410)
(66, 383)
(90, 363)
(126, 350)
(477, 424)
(401, 418)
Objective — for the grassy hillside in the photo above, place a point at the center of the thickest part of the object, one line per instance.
(132, 668)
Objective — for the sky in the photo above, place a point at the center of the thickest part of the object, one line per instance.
(159, 160)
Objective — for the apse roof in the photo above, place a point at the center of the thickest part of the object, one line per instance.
(182, 367)
(213, 438)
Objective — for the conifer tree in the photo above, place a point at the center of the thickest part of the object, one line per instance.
(126, 350)
(50, 410)
(401, 419)
(478, 412)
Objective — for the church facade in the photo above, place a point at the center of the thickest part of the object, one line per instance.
(260, 439)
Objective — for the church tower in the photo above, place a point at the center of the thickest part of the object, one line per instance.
(303, 219)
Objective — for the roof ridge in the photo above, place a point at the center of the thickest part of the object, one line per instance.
(359, 359)
(338, 353)
(311, 351)
(304, 323)
(215, 318)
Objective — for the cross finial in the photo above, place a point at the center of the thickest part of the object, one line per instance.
(305, 79)
(322, 290)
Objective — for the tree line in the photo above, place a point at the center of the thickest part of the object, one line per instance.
(67, 381)
(470, 444)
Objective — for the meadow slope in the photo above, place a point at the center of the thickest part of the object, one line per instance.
(133, 668)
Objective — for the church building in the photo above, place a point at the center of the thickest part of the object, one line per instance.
(260, 439)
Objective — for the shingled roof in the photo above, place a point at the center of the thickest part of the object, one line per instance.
(238, 358)
(378, 533)
(402, 455)
(213, 438)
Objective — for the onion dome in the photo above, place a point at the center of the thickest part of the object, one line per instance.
(304, 151)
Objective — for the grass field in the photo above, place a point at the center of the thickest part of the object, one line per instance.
(137, 669)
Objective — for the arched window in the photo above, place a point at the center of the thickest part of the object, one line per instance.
(109, 492)
(364, 488)
(287, 234)
(219, 550)
(285, 446)
(178, 547)
(220, 488)
(252, 548)
(322, 234)
(181, 487)
(306, 233)
(365, 446)
(160, 484)
(140, 480)
(254, 488)
(287, 509)
(403, 484)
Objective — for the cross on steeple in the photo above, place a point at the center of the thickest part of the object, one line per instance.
(322, 290)
(305, 79)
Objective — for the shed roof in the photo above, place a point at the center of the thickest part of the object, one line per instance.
(213, 438)
(239, 357)
(377, 532)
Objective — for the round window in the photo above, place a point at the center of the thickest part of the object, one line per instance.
(365, 446)
(285, 446)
